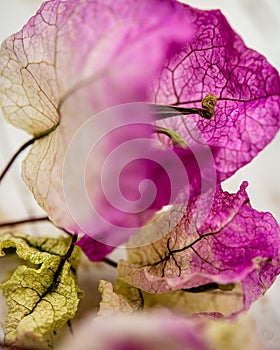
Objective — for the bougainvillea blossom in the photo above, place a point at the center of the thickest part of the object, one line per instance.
(247, 88)
(138, 111)
(235, 247)
(71, 61)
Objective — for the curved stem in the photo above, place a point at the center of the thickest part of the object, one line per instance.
(207, 111)
(64, 230)
(209, 287)
(14, 157)
(110, 262)
(24, 221)
(67, 256)
(174, 137)
(5, 346)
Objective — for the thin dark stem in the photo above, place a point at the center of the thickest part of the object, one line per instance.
(110, 262)
(14, 157)
(71, 247)
(60, 266)
(25, 221)
(16, 347)
(209, 287)
(64, 230)
(69, 324)
(174, 137)
(32, 220)
(207, 111)
(163, 112)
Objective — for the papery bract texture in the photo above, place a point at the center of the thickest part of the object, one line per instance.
(71, 61)
(42, 293)
(247, 88)
(112, 303)
(233, 253)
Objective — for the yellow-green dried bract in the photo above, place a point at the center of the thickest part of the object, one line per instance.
(213, 301)
(240, 334)
(116, 301)
(42, 295)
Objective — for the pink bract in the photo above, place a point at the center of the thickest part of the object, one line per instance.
(235, 246)
(216, 61)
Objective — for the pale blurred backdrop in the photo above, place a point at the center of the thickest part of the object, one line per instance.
(257, 21)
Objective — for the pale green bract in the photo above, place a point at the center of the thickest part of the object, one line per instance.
(126, 298)
(42, 294)
(121, 299)
(111, 302)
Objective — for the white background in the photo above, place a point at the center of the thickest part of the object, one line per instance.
(257, 21)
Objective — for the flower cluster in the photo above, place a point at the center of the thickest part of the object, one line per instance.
(135, 106)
